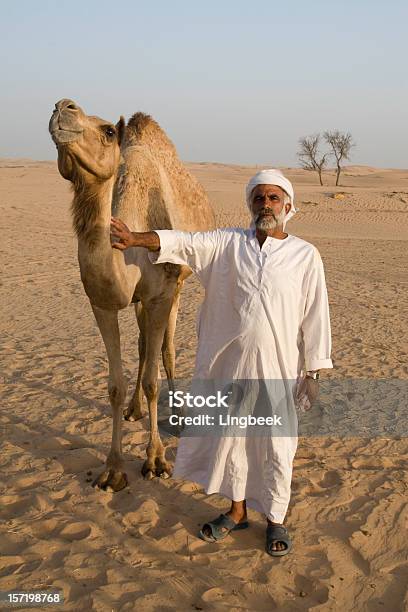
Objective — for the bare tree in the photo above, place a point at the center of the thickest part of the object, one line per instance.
(341, 144)
(309, 156)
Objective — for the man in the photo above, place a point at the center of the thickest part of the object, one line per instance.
(265, 317)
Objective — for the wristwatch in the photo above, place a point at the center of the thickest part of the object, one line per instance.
(314, 375)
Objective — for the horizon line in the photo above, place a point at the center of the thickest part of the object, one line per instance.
(14, 159)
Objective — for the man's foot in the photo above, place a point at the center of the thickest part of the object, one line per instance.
(237, 514)
(237, 517)
(219, 528)
(278, 542)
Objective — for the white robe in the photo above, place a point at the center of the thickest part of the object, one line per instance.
(265, 315)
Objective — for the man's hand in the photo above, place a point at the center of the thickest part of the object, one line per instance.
(121, 236)
(307, 393)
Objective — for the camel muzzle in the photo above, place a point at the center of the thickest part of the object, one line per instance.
(64, 125)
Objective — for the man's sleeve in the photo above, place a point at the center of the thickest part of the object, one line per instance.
(316, 322)
(193, 249)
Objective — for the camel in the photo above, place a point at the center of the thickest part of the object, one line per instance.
(131, 172)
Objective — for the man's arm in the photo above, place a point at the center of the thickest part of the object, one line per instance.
(316, 321)
(194, 249)
(316, 335)
(123, 238)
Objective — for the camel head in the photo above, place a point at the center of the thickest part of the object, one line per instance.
(88, 147)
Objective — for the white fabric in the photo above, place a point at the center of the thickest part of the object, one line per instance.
(271, 177)
(265, 316)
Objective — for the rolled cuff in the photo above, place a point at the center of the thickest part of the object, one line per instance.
(318, 364)
(166, 238)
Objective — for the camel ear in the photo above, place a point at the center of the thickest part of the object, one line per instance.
(120, 129)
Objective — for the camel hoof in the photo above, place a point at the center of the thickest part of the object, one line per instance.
(163, 469)
(149, 475)
(131, 415)
(111, 480)
(159, 468)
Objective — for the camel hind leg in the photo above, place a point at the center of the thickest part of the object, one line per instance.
(157, 317)
(169, 358)
(113, 477)
(168, 349)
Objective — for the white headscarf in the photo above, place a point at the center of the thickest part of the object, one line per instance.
(271, 177)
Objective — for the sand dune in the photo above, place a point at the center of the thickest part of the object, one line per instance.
(138, 549)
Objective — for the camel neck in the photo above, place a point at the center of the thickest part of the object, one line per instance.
(108, 281)
(91, 211)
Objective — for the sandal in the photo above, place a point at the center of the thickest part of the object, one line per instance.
(220, 528)
(277, 533)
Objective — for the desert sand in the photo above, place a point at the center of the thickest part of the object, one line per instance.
(138, 549)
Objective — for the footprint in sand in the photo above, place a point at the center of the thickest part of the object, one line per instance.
(76, 460)
(213, 595)
(75, 531)
(376, 463)
(36, 505)
(45, 529)
(13, 505)
(55, 443)
(52, 528)
(14, 564)
(303, 486)
(12, 543)
(330, 479)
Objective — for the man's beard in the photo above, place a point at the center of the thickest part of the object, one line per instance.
(269, 222)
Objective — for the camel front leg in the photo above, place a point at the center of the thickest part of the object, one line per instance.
(157, 316)
(134, 411)
(113, 477)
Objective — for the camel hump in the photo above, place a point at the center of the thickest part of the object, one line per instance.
(142, 129)
(139, 121)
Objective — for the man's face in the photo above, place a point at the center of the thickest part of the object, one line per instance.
(268, 208)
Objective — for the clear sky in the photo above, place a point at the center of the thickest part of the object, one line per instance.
(229, 81)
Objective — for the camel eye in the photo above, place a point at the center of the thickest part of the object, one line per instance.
(110, 132)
